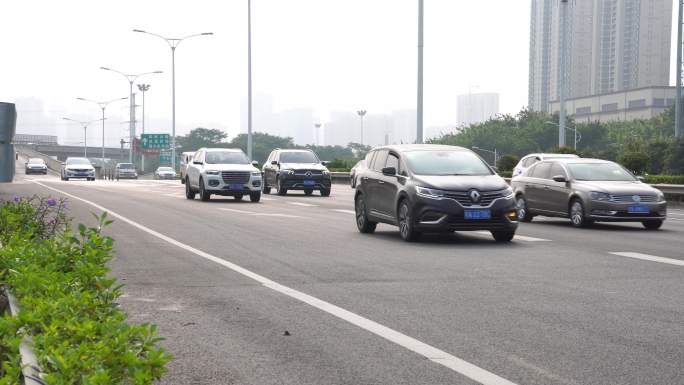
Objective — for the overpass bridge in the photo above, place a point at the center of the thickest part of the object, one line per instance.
(62, 152)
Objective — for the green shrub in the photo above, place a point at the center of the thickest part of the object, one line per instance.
(635, 161)
(68, 304)
(664, 179)
(507, 162)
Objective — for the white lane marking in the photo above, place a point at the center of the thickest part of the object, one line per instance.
(275, 215)
(238, 211)
(267, 199)
(301, 204)
(675, 219)
(647, 257)
(677, 214)
(345, 211)
(518, 237)
(433, 354)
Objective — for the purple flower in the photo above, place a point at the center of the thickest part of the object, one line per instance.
(17, 199)
(51, 202)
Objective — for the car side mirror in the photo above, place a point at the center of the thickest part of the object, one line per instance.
(255, 163)
(389, 171)
(196, 162)
(641, 178)
(559, 179)
(274, 162)
(325, 163)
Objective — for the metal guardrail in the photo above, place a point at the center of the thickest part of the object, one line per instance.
(52, 164)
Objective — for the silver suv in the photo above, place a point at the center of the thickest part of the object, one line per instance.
(222, 171)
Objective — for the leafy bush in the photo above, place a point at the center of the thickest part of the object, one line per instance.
(507, 162)
(68, 304)
(664, 179)
(635, 161)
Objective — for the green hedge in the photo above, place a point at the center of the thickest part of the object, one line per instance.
(68, 303)
(665, 179)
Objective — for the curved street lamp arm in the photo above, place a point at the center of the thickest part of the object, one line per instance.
(167, 40)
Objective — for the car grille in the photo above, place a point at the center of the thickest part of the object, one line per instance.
(313, 172)
(236, 177)
(79, 170)
(486, 197)
(630, 199)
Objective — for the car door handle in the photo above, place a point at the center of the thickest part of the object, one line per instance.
(381, 182)
(547, 188)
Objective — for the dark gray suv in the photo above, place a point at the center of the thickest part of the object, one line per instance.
(433, 188)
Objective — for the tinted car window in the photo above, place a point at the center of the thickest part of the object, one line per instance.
(380, 159)
(226, 157)
(599, 171)
(393, 161)
(557, 169)
(541, 171)
(298, 157)
(530, 161)
(78, 161)
(446, 162)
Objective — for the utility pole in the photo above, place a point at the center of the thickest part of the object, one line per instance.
(678, 102)
(317, 134)
(561, 73)
(419, 107)
(143, 88)
(361, 113)
(249, 80)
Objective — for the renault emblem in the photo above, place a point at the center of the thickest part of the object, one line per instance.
(474, 196)
(636, 198)
(308, 173)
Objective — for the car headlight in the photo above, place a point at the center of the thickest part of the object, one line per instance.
(508, 193)
(288, 171)
(256, 173)
(600, 196)
(430, 193)
(212, 172)
(325, 172)
(661, 197)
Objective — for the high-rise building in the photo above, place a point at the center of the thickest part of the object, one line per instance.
(611, 46)
(476, 108)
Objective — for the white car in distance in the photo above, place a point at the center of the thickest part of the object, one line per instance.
(78, 168)
(529, 160)
(222, 171)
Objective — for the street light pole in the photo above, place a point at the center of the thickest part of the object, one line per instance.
(578, 136)
(361, 113)
(85, 125)
(143, 88)
(131, 78)
(678, 103)
(419, 107)
(561, 73)
(496, 155)
(249, 80)
(103, 105)
(173, 44)
(317, 133)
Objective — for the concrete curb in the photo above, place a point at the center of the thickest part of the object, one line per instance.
(29, 361)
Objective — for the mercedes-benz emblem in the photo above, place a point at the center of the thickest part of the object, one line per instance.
(474, 196)
(636, 198)
(308, 173)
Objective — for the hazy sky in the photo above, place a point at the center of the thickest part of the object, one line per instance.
(327, 54)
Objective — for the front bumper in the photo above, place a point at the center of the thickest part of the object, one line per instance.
(127, 176)
(296, 182)
(167, 176)
(618, 212)
(446, 214)
(214, 184)
(77, 174)
(36, 170)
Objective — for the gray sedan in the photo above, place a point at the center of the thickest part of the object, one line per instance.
(587, 191)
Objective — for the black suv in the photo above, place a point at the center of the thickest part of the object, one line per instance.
(295, 170)
(433, 188)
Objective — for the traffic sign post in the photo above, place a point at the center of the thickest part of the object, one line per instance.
(155, 141)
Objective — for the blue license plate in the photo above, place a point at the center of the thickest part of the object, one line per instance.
(309, 182)
(477, 214)
(236, 187)
(638, 209)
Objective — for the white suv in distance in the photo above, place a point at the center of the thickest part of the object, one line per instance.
(78, 168)
(529, 160)
(222, 171)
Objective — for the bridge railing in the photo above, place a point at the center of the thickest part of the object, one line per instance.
(27, 151)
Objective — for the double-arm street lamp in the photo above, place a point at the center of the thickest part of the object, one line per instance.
(103, 105)
(85, 125)
(496, 155)
(173, 44)
(131, 78)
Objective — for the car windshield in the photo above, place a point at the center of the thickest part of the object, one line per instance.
(599, 172)
(165, 169)
(446, 163)
(226, 157)
(82, 161)
(36, 161)
(126, 166)
(298, 157)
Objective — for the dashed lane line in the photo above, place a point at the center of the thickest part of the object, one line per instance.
(345, 211)
(433, 354)
(647, 257)
(256, 214)
(301, 204)
(518, 237)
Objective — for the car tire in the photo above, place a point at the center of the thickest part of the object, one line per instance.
(182, 181)
(325, 192)
(281, 190)
(652, 224)
(255, 197)
(365, 225)
(577, 214)
(308, 192)
(522, 210)
(66, 179)
(238, 197)
(502, 236)
(204, 195)
(189, 193)
(265, 188)
(405, 221)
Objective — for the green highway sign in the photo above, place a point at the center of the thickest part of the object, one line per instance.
(165, 157)
(155, 141)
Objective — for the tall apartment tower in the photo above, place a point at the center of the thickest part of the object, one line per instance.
(612, 45)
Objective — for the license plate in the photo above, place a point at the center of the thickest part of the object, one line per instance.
(236, 187)
(309, 182)
(638, 209)
(477, 214)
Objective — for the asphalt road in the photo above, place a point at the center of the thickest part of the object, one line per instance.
(287, 291)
